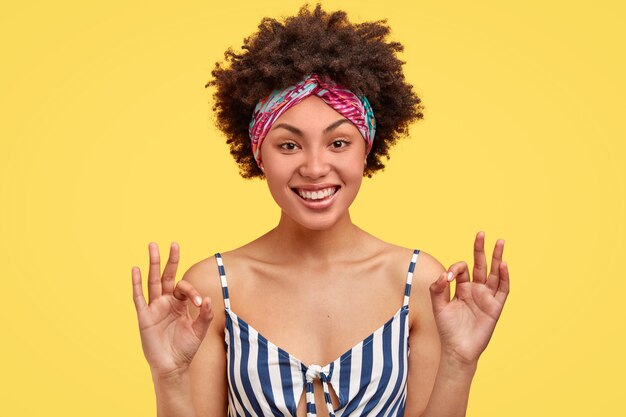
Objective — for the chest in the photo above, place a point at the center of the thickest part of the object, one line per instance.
(317, 315)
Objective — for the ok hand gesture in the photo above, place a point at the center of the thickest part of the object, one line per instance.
(466, 322)
(169, 336)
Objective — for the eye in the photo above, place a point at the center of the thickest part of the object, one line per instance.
(288, 146)
(339, 143)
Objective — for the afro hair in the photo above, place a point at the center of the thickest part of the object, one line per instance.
(281, 53)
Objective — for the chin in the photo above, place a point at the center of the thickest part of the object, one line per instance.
(319, 226)
(314, 222)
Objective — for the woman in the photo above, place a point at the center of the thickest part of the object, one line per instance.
(319, 315)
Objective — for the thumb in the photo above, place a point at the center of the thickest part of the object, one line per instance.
(438, 295)
(205, 316)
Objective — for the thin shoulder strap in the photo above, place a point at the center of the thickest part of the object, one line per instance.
(409, 277)
(222, 271)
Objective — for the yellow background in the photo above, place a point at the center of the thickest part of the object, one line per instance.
(107, 143)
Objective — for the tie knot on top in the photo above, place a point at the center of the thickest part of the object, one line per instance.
(313, 372)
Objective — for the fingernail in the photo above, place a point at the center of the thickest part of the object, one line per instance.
(450, 276)
(198, 301)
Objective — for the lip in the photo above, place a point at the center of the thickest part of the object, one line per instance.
(318, 204)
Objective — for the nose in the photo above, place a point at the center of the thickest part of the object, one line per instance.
(315, 164)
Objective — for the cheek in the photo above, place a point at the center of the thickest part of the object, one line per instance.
(277, 180)
(355, 167)
(274, 180)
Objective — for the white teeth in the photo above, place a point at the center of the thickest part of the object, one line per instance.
(317, 195)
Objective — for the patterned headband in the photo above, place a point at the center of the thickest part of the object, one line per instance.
(355, 108)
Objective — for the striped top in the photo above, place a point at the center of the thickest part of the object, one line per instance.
(370, 378)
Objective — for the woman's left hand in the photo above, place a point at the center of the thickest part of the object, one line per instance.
(466, 322)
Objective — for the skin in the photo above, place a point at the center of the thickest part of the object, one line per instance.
(315, 299)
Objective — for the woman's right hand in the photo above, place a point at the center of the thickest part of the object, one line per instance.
(169, 336)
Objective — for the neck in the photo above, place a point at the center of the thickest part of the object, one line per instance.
(292, 239)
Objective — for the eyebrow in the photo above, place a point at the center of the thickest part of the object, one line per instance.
(298, 132)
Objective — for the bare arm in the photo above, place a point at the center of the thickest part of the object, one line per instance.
(425, 353)
(207, 372)
(173, 396)
(451, 390)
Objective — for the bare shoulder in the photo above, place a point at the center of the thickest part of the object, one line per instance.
(205, 278)
(205, 275)
(427, 270)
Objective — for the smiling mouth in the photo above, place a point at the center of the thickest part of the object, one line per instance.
(318, 195)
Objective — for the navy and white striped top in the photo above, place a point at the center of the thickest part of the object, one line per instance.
(265, 380)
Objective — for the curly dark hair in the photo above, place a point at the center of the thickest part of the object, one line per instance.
(280, 54)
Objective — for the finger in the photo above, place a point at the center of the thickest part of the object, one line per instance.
(169, 273)
(185, 291)
(201, 323)
(459, 271)
(494, 274)
(138, 298)
(439, 297)
(504, 287)
(480, 260)
(154, 273)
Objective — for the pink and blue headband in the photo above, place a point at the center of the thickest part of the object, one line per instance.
(355, 108)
